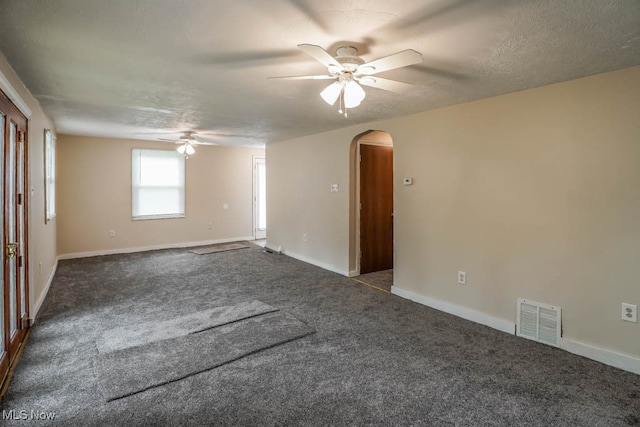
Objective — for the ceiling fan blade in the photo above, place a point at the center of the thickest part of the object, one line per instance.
(385, 84)
(198, 142)
(318, 77)
(391, 62)
(321, 55)
(170, 140)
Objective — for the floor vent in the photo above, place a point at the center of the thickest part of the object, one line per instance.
(539, 322)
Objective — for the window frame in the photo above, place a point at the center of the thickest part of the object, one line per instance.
(135, 188)
(49, 175)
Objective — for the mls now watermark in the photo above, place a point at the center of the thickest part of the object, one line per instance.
(25, 415)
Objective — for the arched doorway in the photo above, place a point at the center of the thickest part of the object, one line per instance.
(371, 203)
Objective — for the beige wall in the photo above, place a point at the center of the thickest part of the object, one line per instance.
(300, 202)
(94, 196)
(533, 194)
(42, 237)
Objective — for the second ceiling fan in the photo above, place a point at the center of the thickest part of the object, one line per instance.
(350, 71)
(186, 143)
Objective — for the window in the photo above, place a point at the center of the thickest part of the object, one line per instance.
(49, 175)
(157, 184)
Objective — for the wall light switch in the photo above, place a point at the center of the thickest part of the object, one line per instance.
(407, 181)
(334, 188)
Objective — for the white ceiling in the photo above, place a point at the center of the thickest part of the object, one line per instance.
(152, 68)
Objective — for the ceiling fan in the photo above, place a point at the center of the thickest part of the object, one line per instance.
(350, 71)
(187, 141)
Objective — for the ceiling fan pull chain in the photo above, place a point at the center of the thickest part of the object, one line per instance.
(345, 105)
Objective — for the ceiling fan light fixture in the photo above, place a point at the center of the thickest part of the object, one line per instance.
(186, 149)
(331, 93)
(353, 94)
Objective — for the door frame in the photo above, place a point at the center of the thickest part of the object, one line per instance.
(370, 137)
(16, 111)
(257, 234)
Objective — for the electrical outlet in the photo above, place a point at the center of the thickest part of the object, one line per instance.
(304, 237)
(462, 278)
(112, 233)
(630, 312)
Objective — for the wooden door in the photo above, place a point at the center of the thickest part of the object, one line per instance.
(376, 208)
(14, 307)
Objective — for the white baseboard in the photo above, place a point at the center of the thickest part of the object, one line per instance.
(608, 357)
(316, 263)
(43, 295)
(151, 248)
(354, 273)
(458, 310)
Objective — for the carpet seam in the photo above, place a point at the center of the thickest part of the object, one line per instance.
(213, 367)
(231, 322)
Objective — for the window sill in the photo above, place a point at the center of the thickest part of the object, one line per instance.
(146, 217)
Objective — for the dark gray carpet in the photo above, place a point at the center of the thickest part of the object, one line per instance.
(146, 332)
(223, 247)
(375, 359)
(136, 369)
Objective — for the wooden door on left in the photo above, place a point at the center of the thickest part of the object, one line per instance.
(14, 295)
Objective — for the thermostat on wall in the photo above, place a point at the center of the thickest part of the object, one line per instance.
(407, 181)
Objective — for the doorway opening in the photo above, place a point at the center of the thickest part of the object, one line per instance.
(259, 198)
(371, 205)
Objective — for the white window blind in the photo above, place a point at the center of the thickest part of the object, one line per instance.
(157, 184)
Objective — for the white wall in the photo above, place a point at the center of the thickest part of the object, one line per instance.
(534, 194)
(42, 237)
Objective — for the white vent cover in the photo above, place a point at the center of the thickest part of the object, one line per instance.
(539, 322)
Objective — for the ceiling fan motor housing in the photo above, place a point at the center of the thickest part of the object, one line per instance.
(348, 58)
(187, 134)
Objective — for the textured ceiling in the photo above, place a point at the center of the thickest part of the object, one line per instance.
(152, 68)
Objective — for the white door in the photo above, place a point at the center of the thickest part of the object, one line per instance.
(259, 198)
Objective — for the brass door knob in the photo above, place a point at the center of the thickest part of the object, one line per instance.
(12, 250)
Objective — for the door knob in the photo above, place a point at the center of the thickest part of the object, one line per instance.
(12, 250)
